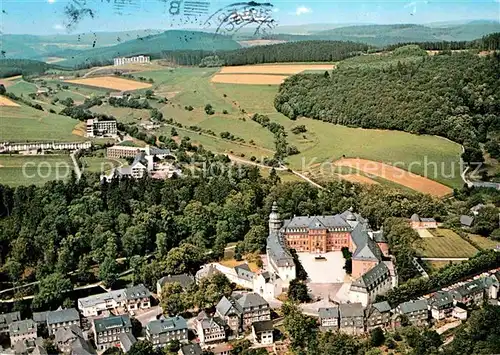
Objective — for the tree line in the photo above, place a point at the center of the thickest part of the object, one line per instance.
(302, 51)
(454, 96)
(488, 43)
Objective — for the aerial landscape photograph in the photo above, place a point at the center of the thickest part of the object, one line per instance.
(212, 177)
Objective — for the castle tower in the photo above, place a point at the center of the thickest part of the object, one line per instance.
(275, 222)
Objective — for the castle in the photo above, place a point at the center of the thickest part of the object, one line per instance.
(372, 267)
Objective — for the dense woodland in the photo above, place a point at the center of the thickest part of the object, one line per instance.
(455, 96)
(486, 43)
(13, 67)
(305, 51)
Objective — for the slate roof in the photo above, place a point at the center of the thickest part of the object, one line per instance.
(349, 310)
(122, 321)
(441, 299)
(277, 252)
(140, 158)
(62, 335)
(184, 280)
(263, 326)
(40, 317)
(243, 271)
(249, 300)
(332, 312)
(470, 288)
(415, 217)
(209, 323)
(136, 292)
(413, 306)
(62, 315)
(7, 318)
(382, 307)
(373, 277)
(160, 326)
(466, 220)
(127, 340)
(379, 237)
(227, 306)
(191, 349)
(315, 222)
(22, 327)
(82, 347)
(366, 248)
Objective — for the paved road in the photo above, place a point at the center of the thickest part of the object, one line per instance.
(149, 315)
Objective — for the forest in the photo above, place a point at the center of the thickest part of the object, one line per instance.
(13, 67)
(451, 95)
(304, 51)
(48, 231)
(487, 43)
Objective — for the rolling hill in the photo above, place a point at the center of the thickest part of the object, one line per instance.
(154, 44)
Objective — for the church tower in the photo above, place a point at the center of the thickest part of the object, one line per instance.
(275, 222)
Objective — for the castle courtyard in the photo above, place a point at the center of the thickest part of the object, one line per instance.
(329, 270)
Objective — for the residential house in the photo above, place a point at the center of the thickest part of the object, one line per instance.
(62, 318)
(137, 297)
(245, 275)
(82, 347)
(229, 310)
(418, 222)
(262, 332)
(6, 319)
(65, 336)
(39, 350)
(184, 280)
(107, 330)
(97, 304)
(28, 346)
(475, 209)
(162, 331)
(190, 349)
(472, 292)
(351, 318)
(441, 305)
(375, 281)
(494, 285)
(210, 329)
(220, 349)
(466, 221)
(22, 330)
(378, 315)
(268, 285)
(416, 311)
(459, 313)
(126, 341)
(133, 298)
(241, 310)
(329, 318)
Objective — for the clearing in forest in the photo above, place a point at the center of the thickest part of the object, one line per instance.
(110, 82)
(397, 175)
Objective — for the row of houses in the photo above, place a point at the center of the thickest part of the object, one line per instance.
(353, 318)
(8, 147)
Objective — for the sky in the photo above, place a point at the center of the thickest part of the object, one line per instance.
(47, 16)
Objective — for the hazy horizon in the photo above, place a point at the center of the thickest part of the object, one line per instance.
(47, 17)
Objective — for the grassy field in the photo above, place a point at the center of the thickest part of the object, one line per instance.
(445, 244)
(323, 142)
(28, 124)
(34, 170)
(22, 88)
(483, 242)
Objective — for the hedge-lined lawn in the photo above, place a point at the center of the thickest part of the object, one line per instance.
(445, 244)
(34, 169)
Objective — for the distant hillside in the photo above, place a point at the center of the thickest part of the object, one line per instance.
(384, 35)
(38, 47)
(153, 45)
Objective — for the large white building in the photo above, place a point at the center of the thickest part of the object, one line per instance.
(136, 59)
(19, 147)
(101, 128)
